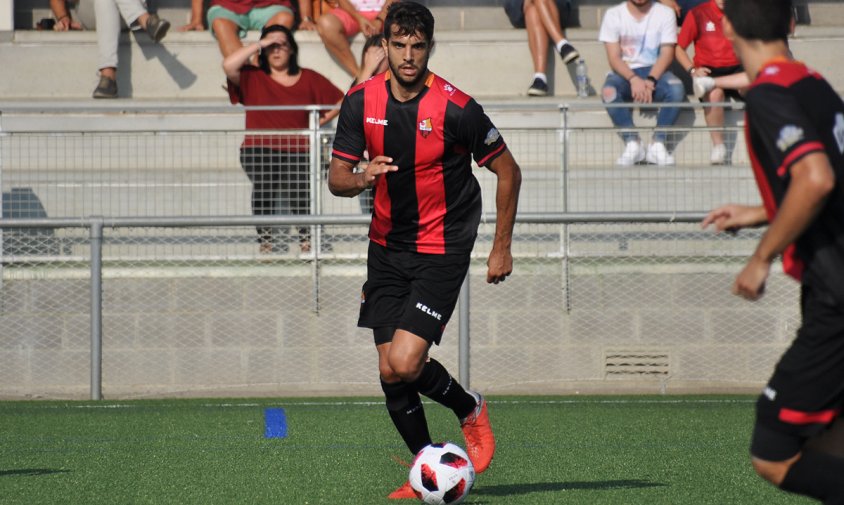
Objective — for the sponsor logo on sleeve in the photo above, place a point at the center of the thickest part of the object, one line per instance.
(492, 136)
(789, 135)
(838, 131)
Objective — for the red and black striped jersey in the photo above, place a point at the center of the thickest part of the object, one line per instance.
(791, 112)
(432, 203)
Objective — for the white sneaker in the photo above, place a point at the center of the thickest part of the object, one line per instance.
(702, 85)
(633, 153)
(659, 155)
(718, 156)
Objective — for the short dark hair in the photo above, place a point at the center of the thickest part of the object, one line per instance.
(765, 20)
(293, 66)
(409, 18)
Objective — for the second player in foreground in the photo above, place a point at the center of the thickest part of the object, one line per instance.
(420, 133)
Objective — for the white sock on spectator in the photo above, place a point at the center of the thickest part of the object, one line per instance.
(542, 77)
(560, 44)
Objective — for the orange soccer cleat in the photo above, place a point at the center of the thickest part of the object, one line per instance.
(480, 442)
(404, 492)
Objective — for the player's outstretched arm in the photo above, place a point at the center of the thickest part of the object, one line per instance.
(500, 262)
(733, 217)
(344, 181)
(812, 180)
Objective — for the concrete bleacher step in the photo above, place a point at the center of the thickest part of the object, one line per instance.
(484, 63)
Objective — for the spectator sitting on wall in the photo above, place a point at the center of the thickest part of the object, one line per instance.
(346, 20)
(639, 37)
(107, 17)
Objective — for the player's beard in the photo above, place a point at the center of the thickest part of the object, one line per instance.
(409, 84)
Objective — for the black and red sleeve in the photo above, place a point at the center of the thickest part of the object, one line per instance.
(782, 125)
(350, 142)
(477, 132)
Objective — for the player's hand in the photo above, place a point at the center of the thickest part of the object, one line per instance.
(379, 166)
(701, 72)
(732, 217)
(750, 282)
(499, 265)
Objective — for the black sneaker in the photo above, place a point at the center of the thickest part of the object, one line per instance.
(538, 88)
(568, 53)
(107, 88)
(157, 27)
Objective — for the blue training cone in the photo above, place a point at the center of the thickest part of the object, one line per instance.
(275, 423)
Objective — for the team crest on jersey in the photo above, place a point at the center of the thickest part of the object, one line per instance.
(838, 131)
(448, 88)
(426, 127)
(789, 135)
(710, 26)
(491, 136)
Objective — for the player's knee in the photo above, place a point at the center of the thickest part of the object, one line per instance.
(407, 370)
(772, 471)
(387, 374)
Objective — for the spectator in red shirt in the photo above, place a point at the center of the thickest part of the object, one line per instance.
(716, 71)
(277, 164)
(229, 20)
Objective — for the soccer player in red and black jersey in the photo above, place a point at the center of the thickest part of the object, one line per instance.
(421, 133)
(795, 137)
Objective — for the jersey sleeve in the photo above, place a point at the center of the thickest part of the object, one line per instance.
(237, 93)
(784, 128)
(688, 32)
(477, 132)
(349, 142)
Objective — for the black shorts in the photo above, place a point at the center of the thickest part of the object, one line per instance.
(721, 72)
(806, 392)
(410, 291)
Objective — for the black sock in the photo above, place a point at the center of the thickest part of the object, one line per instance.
(817, 475)
(436, 383)
(405, 408)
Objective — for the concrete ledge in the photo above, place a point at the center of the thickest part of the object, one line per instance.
(484, 63)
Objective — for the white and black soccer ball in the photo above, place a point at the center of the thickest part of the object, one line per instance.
(442, 474)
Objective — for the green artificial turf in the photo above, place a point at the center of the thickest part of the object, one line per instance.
(567, 450)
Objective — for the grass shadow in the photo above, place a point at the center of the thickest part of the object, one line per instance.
(30, 472)
(539, 487)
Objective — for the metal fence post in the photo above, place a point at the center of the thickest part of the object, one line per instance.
(564, 232)
(96, 234)
(463, 347)
(316, 203)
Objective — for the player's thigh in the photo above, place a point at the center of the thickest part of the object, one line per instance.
(806, 392)
(385, 292)
(434, 292)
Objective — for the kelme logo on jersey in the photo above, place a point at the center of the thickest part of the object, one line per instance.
(491, 136)
(838, 131)
(426, 127)
(380, 122)
(789, 135)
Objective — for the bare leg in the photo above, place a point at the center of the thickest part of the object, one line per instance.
(549, 15)
(714, 116)
(226, 32)
(334, 37)
(282, 18)
(537, 37)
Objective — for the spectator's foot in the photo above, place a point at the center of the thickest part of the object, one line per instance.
(633, 153)
(702, 85)
(659, 155)
(568, 53)
(107, 88)
(538, 88)
(718, 155)
(157, 27)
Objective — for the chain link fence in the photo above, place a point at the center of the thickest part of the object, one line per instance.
(620, 302)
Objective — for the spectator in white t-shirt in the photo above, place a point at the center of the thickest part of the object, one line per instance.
(338, 25)
(639, 36)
